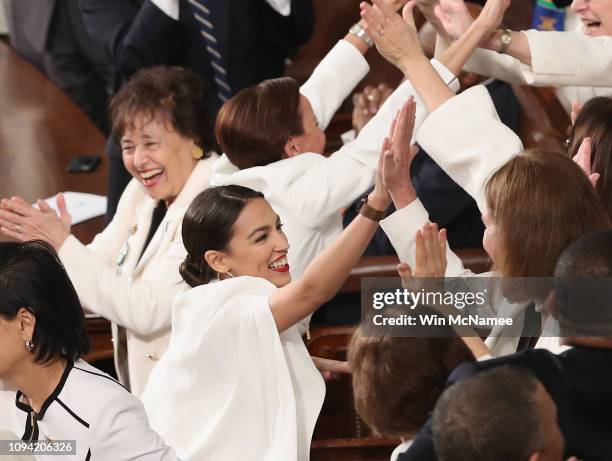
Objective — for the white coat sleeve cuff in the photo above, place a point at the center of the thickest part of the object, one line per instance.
(169, 7)
(401, 227)
(449, 78)
(282, 7)
(465, 137)
(333, 80)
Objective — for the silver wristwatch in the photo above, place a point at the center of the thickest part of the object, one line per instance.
(504, 40)
(361, 33)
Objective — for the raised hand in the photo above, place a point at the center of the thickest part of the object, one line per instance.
(492, 13)
(454, 17)
(398, 158)
(576, 108)
(396, 39)
(583, 159)
(430, 258)
(22, 222)
(367, 103)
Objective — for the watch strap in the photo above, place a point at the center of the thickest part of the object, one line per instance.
(370, 212)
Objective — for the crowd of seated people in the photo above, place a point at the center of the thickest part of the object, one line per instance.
(216, 258)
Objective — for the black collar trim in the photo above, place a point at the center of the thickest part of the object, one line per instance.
(56, 392)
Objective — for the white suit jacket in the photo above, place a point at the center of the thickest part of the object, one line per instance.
(309, 190)
(466, 138)
(138, 293)
(579, 65)
(101, 418)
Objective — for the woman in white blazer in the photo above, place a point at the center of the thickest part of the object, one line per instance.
(237, 380)
(48, 394)
(578, 63)
(534, 203)
(272, 136)
(129, 273)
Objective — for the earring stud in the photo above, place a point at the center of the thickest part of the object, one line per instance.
(197, 152)
(29, 346)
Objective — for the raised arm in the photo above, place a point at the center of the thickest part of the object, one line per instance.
(532, 56)
(339, 72)
(326, 274)
(398, 42)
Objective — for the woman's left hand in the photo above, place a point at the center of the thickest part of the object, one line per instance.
(396, 37)
(23, 222)
(430, 258)
(583, 159)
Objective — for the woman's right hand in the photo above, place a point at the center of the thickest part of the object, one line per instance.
(454, 17)
(397, 159)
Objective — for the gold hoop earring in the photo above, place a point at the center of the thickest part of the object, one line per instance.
(228, 273)
(197, 152)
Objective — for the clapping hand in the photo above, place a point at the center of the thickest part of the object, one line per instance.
(583, 159)
(367, 103)
(454, 17)
(430, 260)
(396, 39)
(398, 157)
(23, 222)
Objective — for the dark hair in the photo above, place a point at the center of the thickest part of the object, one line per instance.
(540, 201)
(208, 225)
(397, 380)
(253, 127)
(583, 286)
(595, 121)
(178, 95)
(491, 415)
(32, 277)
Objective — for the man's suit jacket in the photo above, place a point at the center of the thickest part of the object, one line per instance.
(253, 38)
(28, 31)
(578, 381)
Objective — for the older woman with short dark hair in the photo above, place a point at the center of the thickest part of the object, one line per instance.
(46, 389)
(129, 273)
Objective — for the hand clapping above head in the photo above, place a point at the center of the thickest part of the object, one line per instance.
(396, 39)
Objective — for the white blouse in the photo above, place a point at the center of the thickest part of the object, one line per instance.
(230, 386)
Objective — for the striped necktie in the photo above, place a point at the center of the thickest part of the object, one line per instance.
(201, 13)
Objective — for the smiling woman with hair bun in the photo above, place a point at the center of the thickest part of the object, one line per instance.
(237, 374)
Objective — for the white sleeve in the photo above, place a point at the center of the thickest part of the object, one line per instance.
(123, 432)
(585, 61)
(333, 80)
(169, 7)
(282, 7)
(141, 305)
(345, 175)
(465, 137)
(401, 227)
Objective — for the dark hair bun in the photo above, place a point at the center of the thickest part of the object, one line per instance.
(193, 274)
